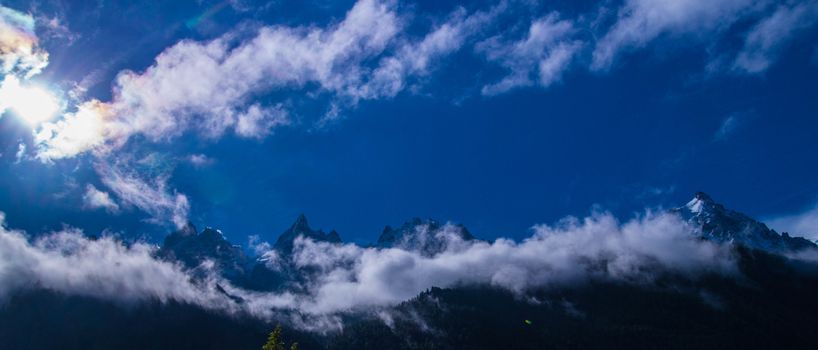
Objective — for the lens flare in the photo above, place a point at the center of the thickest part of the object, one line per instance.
(33, 104)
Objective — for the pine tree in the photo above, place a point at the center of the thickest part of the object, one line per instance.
(274, 341)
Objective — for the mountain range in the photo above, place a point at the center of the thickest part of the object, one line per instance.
(771, 304)
(711, 220)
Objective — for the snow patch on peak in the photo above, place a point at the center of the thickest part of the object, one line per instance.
(695, 205)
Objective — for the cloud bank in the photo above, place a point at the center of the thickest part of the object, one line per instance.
(574, 251)
(347, 277)
(68, 262)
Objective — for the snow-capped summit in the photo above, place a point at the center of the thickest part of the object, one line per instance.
(700, 202)
(718, 223)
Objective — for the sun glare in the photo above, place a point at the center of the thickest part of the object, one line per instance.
(33, 104)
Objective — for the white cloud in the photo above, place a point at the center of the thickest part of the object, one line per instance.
(416, 58)
(208, 86)
(200, 160)
(19, 50)
(150, 195)
(258, 122)
(540, 58)
(573, 251)
(95, 199)
(804, 224)
(641, 21)
(87, 128)
(265, 252)
(55, 30)
(67, 262)
(764, 42)
(213, 87)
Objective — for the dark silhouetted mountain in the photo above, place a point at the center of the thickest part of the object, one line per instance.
(192, 250)
(426, 236)
(724, 225)
(276, 270)
(300, 227)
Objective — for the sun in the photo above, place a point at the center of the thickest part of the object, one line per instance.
(33, 104)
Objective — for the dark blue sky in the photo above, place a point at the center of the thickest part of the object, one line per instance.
(666, 118)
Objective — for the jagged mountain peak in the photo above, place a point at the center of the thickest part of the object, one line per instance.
(188, 230)
(427, 236)
(300, 223)
(192, 248)
(301, 227)
(702, 203)
(703, 197)
(333, 236)
(717, 223)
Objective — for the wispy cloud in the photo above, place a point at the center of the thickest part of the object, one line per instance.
(639, 22)
(767, 38)
(728, 127)
(150, 194)
(539, 58)
(96, 199)
(56, 30)
(415, 58)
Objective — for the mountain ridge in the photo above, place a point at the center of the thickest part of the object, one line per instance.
(720, 224)
(428, 237)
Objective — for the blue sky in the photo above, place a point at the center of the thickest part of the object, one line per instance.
(498, 115)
